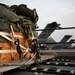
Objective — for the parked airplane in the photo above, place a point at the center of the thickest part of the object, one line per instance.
(69, 44)
(42, 38)
(63, 43)
(46, 33)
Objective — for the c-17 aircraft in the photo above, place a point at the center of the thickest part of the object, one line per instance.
(69, 44)
(46, 33)
(63, 43)
(42, 38)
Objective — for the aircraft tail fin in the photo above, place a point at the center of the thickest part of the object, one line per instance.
(71, 41)
(47, 31)
(65, 38)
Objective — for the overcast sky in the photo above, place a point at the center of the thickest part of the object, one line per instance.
(61, 11)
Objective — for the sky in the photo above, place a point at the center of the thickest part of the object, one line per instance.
(61, 11)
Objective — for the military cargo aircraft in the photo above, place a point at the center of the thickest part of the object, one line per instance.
(43, 37)
(63, 43)
(46, 33)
